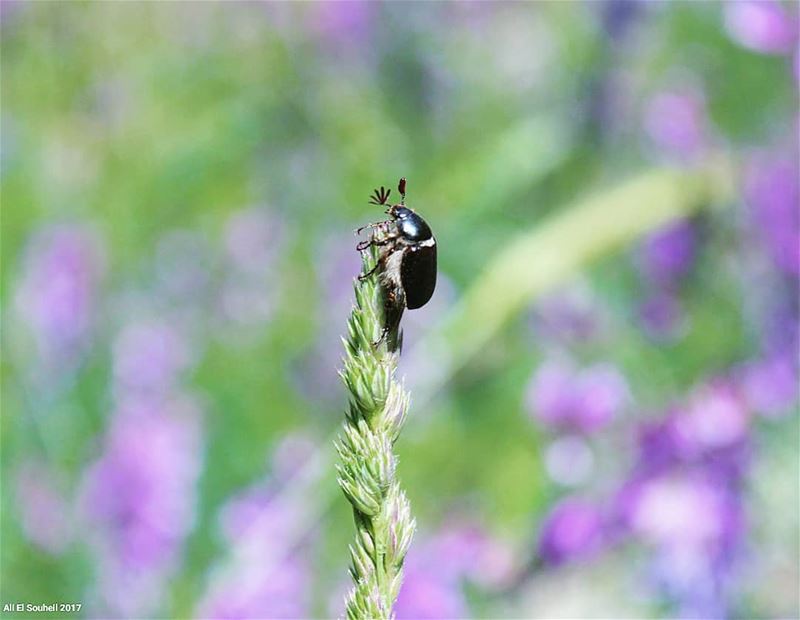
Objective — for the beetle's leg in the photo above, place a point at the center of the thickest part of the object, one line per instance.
(379, 263)
(393, 307)
(384, 332)
(386, 240)
(381, 225)
(363, 245)
(364, 276)
(375, 242)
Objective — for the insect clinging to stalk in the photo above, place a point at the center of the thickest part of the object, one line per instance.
(406, 262)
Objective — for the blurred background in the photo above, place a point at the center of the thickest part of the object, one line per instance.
(604, 417)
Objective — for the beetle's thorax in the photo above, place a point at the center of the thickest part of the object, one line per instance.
(411, 226)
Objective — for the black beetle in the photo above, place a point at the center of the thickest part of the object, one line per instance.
(407, 260)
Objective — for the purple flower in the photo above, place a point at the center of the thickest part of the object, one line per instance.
(681, 511)
(62, 270)
(267, 574)
(693, 584)
(572, 530)
(139, 499)
(466, 550)
(436, 568)
(770, 385)
(425, 595)
(664, 258)
(694, 522)
(583, 401)
(255, 593)
(763, 26)
(617, 16)
(715, 417)
(780, 333)
(427, 591)
(772, 190)
(149, 357)
(343, 23)
(668, 254)
(45, 515)
(684, 499)
(263, 577)
(676, 123)
(659, 445)
(711, 430)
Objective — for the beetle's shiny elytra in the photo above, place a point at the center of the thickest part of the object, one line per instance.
(406, 263)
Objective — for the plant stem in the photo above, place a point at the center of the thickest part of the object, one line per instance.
(376, 412)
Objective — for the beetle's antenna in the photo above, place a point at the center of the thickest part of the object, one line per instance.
(401, 187)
